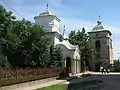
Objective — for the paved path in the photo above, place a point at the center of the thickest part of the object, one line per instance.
(95, 73)
(33, 87)
(97, 81)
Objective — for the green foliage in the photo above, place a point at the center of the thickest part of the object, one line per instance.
(44, 59)
(6, 20)
(4, 62)
(81, 39)
(117, 65)
(24, 43)
(56, 59)
(55, 87)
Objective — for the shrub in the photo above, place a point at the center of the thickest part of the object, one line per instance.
(12, 76)
(4, 62)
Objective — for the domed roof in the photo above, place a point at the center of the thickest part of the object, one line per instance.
(99, 26)
(47, 12)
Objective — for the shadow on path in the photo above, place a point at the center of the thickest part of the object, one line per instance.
(85, 84)
(95, 82)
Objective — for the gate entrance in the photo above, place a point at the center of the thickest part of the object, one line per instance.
(68, 65)
(97, 66)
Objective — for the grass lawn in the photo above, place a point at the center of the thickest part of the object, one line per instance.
(55, 87)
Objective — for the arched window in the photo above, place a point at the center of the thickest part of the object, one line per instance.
(97, 46)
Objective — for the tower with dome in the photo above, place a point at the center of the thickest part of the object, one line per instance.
(101, 42)
(70, 53)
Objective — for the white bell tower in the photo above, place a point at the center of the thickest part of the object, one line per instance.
(48, 20)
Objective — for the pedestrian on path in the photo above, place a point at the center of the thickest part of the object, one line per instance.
(102, 69)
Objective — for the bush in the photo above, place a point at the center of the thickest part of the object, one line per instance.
(18, 75)
(116, 65)
(4, 62)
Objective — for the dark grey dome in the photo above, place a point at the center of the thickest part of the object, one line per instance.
(98, 26)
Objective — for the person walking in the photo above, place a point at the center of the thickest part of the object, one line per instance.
(102, 69)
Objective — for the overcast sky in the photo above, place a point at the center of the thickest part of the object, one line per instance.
(75, 14)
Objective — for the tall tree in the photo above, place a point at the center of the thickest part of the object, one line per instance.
(6, 23)
(81, 39)
(117, 65)
(56, 59)
(29, 43)
(23, 42)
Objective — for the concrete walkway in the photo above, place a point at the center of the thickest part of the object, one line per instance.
(94, 73)
(33, 87)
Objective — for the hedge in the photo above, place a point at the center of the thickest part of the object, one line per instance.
(20, 75)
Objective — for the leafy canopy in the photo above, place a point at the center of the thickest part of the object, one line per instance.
(23, 42)
(81, 38)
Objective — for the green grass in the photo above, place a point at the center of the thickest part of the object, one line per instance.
(55, 87)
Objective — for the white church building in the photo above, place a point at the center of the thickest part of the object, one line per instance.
(70, 53)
